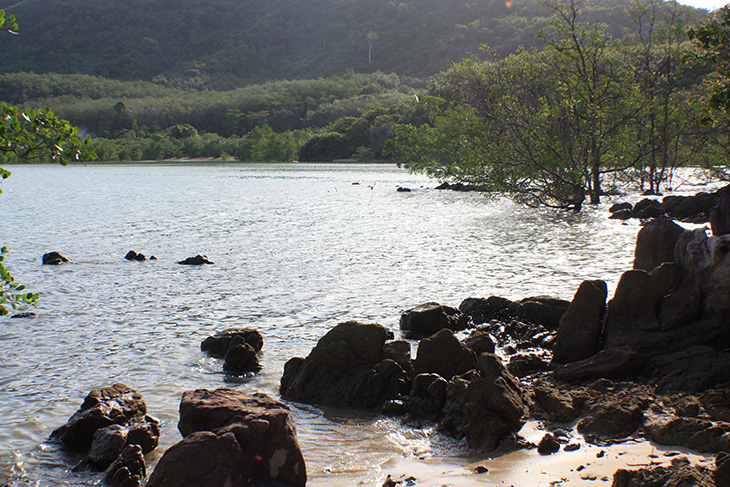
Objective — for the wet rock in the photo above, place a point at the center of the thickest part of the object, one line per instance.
(346, 368)
(479, 341)
(128, 469)
(54, 258)
(399, 351)
(548, 445)
(680, 473)
(524, 364)
(624, 214)
(117, 404)
(241, 358)
(609, 364)
(106, 445)
(579, 333)
(540, 310)
(132, 255)
(655, 243)
(197, 260)
(426, 319)
(482, 310)
(218, 344)
(427, 397)
(232, 439)
(401, 189)
(694, 208)
(443, 354)
(620, 207)
(27, 314)
(698, 434)
(648, 208)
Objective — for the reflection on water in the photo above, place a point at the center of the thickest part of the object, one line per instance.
(297, 249)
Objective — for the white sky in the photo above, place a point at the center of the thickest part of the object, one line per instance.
(706, 4)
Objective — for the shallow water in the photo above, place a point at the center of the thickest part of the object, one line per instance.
(297, 248)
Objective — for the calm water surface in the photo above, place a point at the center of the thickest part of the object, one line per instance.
(297, 249)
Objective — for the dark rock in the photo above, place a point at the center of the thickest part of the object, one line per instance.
(107, 445)
(197, 260)
(612, 420)
(54, 258)
(579, 333)
(427, 397)
(694, 209)
(403, 190)
(132, 255)
(110, 405)
(717, 404)
(443, 354)
(572, 447)
(692, 370)
(346, 368)
(232, 439)
(648, 208)
(561, 406)
(426, 319)
(681, 473)
(479, 341)
(655, 243)
(720, 214)
(609, 364)
(482, 310)
(698, 434)
(541, 310)
(548, 445)
(399, 351)
(241, 358)
(521, 365)
(128, 469)
(624, 214)
(218, 344)
(722, 469)
(620, 207)
(27, 314)
(394, 407)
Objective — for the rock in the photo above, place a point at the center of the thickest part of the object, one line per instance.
(612, 421)
(482, 310)
(347, 368)
(694, 208)
(197, 260)
(561, 406)
(483, 410)
(218, 344)
(117, 404)
(232, 439)
(681, 473)
(540, 310)
(698, 434)
(655, 243)
(608, 364)
(106, 445)
(548, 445)
(722, 469)
(624, 214)
(399, 351)
(403, 190)
(524, 364)
(54, 258)
(579, 333)
(426, 319)
(128, 469)
(692, 370)
(27, 314)
(648, 208)
(631, 316)
(132, 255)
(479, 341)
(426, 397)
(717, 404)
(241, 358)
(444, 355)
(720, 214)
(620, 207)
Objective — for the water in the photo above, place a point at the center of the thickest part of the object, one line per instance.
(297, 248)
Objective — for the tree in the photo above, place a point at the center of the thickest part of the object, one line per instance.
(32, 134)
(713, 36)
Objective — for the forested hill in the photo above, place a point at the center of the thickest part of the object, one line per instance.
(220, 44)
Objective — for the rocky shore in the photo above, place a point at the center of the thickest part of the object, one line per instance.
(650, 363)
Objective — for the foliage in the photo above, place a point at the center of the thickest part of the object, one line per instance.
(713, 36)
(224, 44)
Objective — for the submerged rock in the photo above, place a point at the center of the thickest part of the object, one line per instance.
(197, 260)
(230, 438)
(54, 258)
(239, 348)
(426, 319)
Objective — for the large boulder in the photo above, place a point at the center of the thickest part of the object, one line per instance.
(484, 310)
(348, 367)
(540, 310)
(232, 439)
(579, 333)
(680, 473)
(609, 363)
(720, 213)
(426, 319)
(698, 434)
(655, 243)
(444, 355)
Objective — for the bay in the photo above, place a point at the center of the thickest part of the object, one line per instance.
(297, 249)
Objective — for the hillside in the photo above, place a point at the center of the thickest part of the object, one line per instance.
(221, 44)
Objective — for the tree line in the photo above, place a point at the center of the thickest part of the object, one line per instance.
(552, 126)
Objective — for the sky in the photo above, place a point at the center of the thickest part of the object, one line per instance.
(706, 4)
